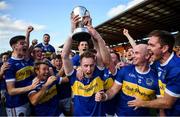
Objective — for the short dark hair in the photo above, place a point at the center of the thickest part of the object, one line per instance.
(37, 65)
(5, 53)
(82, 41)
(87, 54)
(93, 51)
(165, 38)
(15, 39)
(46, 35)
(57, 56)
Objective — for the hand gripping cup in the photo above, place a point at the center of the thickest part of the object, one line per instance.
(81, 32)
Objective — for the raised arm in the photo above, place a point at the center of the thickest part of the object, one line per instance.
(98, 55)
(28, 31)
(35, 97)
(104, 53)
(68, 67)
(74, 21)
(101, 43)
(131, 40)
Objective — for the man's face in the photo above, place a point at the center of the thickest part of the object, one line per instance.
(155, 48)
(88, 66)
(46, 39)
(4, 58)
(114, 58)
(37, 53)
(43, 72)
(130, 54)
(21, 47)
(83, 46)
(58, 63)
(138, 56)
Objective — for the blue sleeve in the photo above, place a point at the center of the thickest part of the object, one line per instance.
(38, 87)
(173, 82)
(10, 74)
(120, 75)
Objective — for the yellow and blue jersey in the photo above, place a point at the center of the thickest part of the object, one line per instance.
(84, 94)
(169, 81)
(48, 104)
(135, 84)
(22, 73)
(48, 49)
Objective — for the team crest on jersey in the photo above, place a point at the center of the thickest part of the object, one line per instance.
(149, 81)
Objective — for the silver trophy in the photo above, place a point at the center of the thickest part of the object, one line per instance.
(81, 32)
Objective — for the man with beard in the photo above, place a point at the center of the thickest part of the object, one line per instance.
(18, 79)
(134, 81)
(84, 90)
(168, 67)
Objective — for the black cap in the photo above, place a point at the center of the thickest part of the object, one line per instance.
(15, 39)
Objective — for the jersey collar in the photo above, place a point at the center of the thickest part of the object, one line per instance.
(16, 58)
(167, 61)
(142, 72)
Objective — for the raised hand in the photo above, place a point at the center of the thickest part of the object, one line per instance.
(125, 32)
(50, 80)
(4, 67)
(29, 29)
(87, 20)
(74, 21)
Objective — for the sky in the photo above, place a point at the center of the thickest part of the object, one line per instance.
(52, 17)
